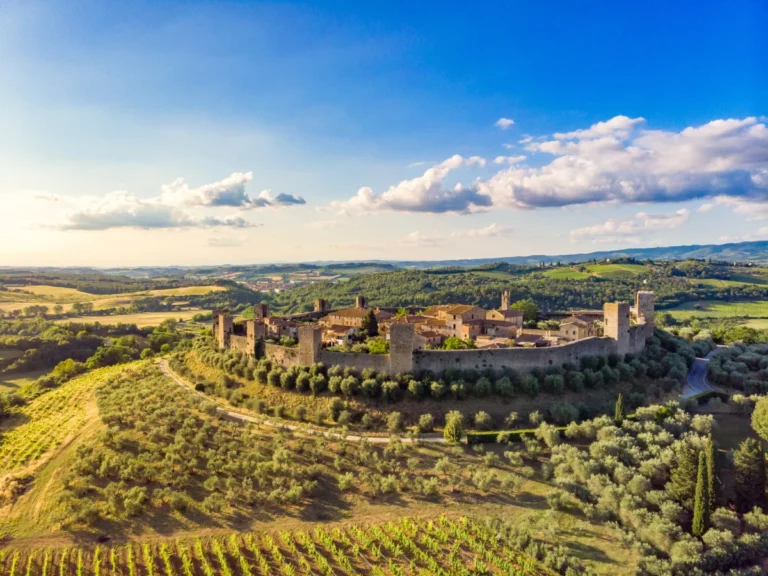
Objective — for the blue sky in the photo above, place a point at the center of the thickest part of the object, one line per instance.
(276, 115)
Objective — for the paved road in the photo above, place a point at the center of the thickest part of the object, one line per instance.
(697, 382)
(166, 369)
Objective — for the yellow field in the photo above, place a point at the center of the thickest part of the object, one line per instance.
(141, 320)
(20, 297)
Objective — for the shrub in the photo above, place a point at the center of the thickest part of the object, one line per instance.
(453, 430)
(576, 381)
(300, 412)
(504, 387)
(563, 413)
(260, 375)
(482, 387)
(273, 378)
(554, 384)
(426, 423)
(318, 384)
(390, 391)
(416, 389)
(395, 421)
(302, 382)
(335, 407)
(349, 386)
(483, 421)
(288, 380)
(367, 421)
(530, 385)
(437, 389)
(334, 383)
(345, 417)
(371, 387)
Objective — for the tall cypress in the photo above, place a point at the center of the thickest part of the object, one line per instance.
(619, 413)
(701, 501)
(711, 473)
(749, 477)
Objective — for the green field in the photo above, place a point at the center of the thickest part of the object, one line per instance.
(141, 320)
(566, 274)
(616, 271)
(16, 380)
(719, 309)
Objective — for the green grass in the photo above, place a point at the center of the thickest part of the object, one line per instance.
(566, 274)
(616, 271)
(495, 274)
(719, 309)
(736, 281)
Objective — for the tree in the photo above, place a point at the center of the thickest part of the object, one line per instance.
(701, 500)
(760, 418)
(369, 325)
(749, 466)
(527, 307)
(454, 429)
(619, 412)
(454, 343)
(711, 473)
(682, 483)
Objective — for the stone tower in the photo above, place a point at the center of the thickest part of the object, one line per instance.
(616, 324)
(223, 326)
(644, 305)
(360, 302)
(321, 305)
(401, 348)
(505, 300)
(310, 337)
(261, 311)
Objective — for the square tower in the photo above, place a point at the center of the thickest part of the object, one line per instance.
(260, 311)
(310, 338)
(360, 302)
(616, 324)
(644, 306)
(401, 338)
(505, 300)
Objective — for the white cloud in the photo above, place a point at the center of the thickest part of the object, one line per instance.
(508, 159)
(124, 210)
(619, 126)
(417, 164)
(608, 162)
(504, 123)
(492, 230)
(420, 240)
(630, 230)
(706, 207)
(527, 139)
(723, 157)
(426, 193)
(479, 160)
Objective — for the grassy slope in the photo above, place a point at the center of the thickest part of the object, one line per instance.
(141, 320)
(720, 309)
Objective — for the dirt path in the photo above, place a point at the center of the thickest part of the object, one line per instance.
(166, 369)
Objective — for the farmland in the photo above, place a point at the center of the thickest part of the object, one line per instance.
(441, 547)
(720, 309)
(142, 319)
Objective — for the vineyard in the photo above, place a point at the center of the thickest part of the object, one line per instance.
(45, 422)
(408, 546)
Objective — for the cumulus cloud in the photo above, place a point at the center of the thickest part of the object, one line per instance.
(418, 239)
(508, 160)
(504, 123)
(630, 230)
(492, 230)
(723, 157)
(616, 161)
(124, 210)
(617, 126)
(426, 193)
(227, 192)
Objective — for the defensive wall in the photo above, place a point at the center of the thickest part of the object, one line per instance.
(620, 336)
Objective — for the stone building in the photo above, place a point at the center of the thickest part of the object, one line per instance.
(578, 327)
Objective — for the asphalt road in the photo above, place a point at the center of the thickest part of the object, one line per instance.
(697, 382)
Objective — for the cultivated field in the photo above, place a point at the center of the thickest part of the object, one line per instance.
(141, 319)
(444, 546)
(720, 309)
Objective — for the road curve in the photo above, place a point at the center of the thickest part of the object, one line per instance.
(696, 382)
(166, 369)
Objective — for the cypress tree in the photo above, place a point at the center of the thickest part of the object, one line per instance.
(619, 413)
(701, 501)
(749, 466)
(711, 473)
(682, 483)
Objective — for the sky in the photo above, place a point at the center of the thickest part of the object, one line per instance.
(190, 133)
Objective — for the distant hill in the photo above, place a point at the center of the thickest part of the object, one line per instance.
(735, 252)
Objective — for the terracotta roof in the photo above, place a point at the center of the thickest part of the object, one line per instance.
(352, 312)
(528, 338)
(429, 333)
(338, 329)
(585, 320)
(510, 313)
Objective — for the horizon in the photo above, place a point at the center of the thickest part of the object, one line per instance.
(261, 133)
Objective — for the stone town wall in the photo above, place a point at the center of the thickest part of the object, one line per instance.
(379, 362)
(283, 355)
(520, 359)
(241, 343)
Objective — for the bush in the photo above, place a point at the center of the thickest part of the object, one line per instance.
(349, 386)
(334, 383)
(395, 422)
(302, 382)
(273, 378)
(336, 406)
(554, 384)
(437, 389)
(482, 387)
(288, 380)
(483, 421)
(318, 384)
(530, 385)
(504, 387)
(371, 387)
(390, 391)
(416, 389)
(426, 423)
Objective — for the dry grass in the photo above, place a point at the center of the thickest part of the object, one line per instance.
(141, 320)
